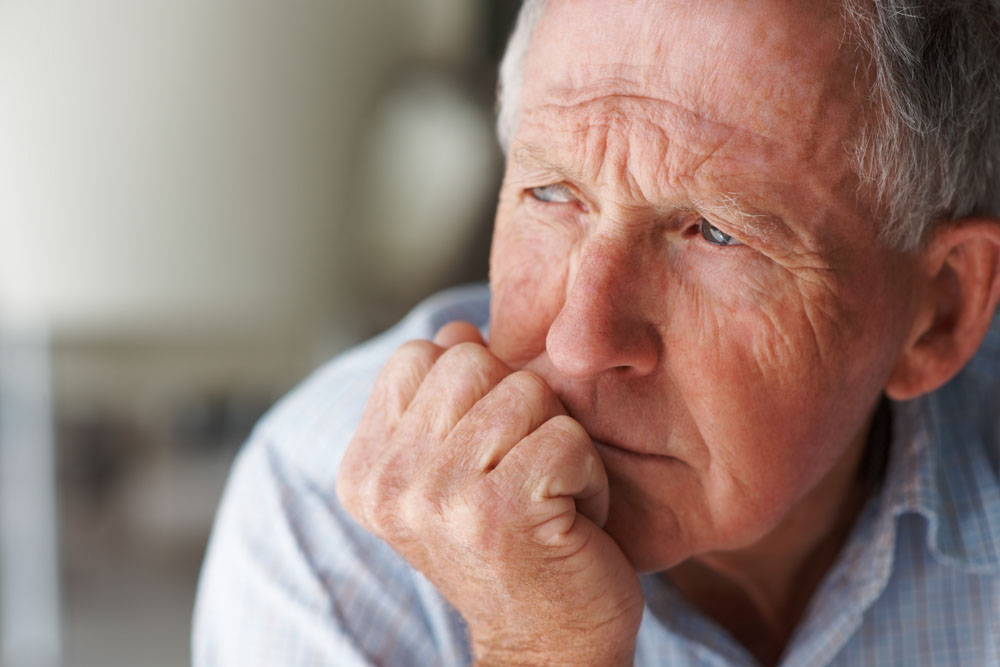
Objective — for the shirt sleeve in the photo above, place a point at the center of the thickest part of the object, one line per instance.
(290, 579)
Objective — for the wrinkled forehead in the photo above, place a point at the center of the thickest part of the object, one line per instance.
(765, 66)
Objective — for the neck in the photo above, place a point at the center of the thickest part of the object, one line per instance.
(760, 593)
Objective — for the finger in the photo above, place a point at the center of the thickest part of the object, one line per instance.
(399, 380)
(513, 409)
(461, 376)
(391, 395)
(559, 471)
(457, 332)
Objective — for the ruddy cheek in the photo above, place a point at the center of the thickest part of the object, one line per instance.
(527, 291)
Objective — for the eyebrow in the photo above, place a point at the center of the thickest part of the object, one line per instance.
(528, 154)
(729, 206)
(732, 207)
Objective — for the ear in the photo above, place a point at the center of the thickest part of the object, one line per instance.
(960, 267)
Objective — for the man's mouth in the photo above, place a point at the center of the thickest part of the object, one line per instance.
(604, 447)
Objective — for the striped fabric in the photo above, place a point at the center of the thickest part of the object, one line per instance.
(290, 579)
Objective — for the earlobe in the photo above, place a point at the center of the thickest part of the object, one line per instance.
(961, 266)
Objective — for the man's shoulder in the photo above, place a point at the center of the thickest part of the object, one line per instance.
(288, 575)
(311, 426)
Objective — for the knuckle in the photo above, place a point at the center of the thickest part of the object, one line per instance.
(395, 505)
(475, 514)
(415, 352)
(529, 386)
(347, 485)
(478, 369)
(468, 354)
(418, 502)
(377, 502)
(346, 488)
(566, 429)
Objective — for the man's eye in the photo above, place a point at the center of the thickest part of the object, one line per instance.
(716, 236)
(553, 194)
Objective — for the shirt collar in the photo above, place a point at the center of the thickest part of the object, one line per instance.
(943, 466)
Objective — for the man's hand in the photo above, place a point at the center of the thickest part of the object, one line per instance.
(476, 475)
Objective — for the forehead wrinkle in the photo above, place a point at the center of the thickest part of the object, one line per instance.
(571, 140)
(645, 132)
(581, 112)
(671, 113)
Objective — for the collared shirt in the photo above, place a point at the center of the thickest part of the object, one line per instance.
(291, 579)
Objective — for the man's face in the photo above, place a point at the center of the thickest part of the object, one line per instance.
(681, 252)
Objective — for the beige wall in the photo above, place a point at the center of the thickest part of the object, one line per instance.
(201, 200)
(188, 166)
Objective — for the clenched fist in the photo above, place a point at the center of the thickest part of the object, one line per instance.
(475, 474)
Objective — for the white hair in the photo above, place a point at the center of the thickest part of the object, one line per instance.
(511, 79)
(930, 147)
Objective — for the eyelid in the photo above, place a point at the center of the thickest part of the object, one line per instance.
(563, 190)
(555, 187)
(723, 229)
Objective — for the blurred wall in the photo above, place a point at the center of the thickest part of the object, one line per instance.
(179, 166)
(200, 201)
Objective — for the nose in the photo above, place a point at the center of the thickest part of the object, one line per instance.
(600, 326)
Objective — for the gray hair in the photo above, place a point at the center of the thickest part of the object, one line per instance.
(930, 150)
(511, 79)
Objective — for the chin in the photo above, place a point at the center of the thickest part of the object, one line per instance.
(648, 558)
(651, 544)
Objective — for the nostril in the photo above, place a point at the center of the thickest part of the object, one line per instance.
(582, 344)
(601, 325)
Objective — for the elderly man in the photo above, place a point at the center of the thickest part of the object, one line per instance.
(742, 252)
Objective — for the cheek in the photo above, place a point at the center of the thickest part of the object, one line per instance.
(528, 269)
(769, 385)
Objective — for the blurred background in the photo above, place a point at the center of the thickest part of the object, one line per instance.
(200, 201)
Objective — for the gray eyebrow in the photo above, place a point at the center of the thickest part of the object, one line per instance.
(524, 152)
(752, 221)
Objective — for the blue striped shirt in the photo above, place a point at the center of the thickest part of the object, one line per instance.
(290, 579)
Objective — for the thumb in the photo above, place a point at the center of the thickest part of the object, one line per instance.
(457, 332)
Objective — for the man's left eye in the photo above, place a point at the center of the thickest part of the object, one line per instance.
(716, 236)
(553, 194)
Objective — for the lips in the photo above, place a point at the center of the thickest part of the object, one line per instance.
(614, 449)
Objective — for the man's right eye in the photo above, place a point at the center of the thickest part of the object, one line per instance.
(553, 194)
